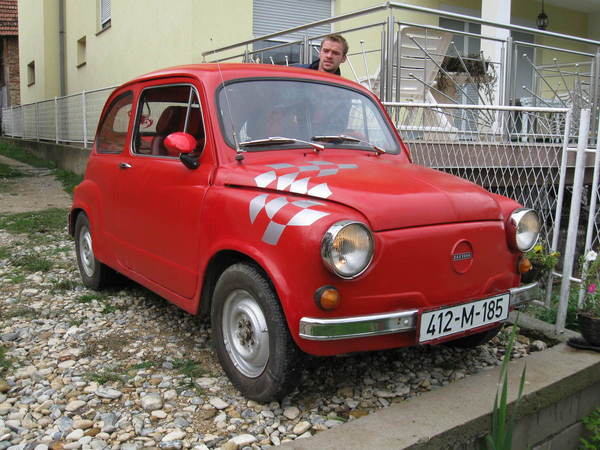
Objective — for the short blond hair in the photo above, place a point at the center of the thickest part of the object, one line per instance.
(337, 38)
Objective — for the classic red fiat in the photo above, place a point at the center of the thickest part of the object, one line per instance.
(282, 202)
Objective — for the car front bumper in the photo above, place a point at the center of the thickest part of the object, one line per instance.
(317, 329)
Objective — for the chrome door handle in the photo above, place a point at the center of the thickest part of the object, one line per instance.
(125, 166)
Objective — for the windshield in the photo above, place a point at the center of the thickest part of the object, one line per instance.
(302, 111)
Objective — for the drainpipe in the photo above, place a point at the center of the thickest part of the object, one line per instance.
(61, 48)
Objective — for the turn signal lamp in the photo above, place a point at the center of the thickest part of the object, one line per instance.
(524, 265)
(327, 298)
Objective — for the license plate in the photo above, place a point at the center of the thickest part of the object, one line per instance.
(443, 322)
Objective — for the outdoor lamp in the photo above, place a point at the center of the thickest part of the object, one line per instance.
(542, 19)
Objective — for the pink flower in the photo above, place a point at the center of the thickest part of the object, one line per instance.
(591, 288)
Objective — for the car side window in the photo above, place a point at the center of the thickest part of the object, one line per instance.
(164, 110)
(112, 132)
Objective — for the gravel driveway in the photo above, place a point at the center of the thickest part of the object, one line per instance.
(125, 369)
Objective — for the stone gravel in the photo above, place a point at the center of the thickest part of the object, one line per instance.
(124, 369)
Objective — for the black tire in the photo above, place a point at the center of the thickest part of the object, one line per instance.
(474, 340)
(94, 274)
(264, 366)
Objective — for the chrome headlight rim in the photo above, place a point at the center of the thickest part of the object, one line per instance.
(516, 217)
(330, 236)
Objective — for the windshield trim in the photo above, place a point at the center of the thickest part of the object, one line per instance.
(227, 136)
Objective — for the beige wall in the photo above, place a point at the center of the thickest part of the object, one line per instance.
(144, 36)
(38, 42)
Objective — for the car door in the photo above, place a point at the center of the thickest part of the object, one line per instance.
(161, 205)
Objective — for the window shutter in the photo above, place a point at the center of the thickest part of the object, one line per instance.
(104, 11)
(271, 16)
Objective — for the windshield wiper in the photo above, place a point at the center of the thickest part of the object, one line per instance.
(278, 140)
(340, 138)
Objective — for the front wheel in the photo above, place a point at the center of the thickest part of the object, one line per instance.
(251, 337)
(94, 274)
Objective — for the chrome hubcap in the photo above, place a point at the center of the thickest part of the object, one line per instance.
(86, 252)
(245, 333)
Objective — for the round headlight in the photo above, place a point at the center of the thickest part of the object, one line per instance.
(524, 229)
(347, 248)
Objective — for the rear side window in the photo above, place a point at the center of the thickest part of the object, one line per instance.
(164, 110)
(112, 132)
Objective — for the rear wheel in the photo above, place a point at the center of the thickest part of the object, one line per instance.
(475, 340)
(251, 337)
(94, 274)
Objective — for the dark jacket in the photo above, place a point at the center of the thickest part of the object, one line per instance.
(315, 66)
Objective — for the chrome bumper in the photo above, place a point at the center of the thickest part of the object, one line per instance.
(316, 329)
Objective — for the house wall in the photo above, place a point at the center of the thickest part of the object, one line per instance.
(142, 39)
(38, 42)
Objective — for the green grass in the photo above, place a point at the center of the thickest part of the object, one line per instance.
(20, 311)
(549, 314)
(64, 285)
(5, 362)
(20, 154)
(68, 179)
(592, 425)
(7, 171)
(32, 263)
(45, 221)
(88, 298)
(4, 252)
(189, 368)
(106, 376)
(144, 365)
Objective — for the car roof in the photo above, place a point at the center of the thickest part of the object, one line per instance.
(230, 71)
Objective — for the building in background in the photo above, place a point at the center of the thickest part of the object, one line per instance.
(9, 54)
(70, 46)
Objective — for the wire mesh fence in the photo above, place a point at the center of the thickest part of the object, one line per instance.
(516, 152)
(70, 119)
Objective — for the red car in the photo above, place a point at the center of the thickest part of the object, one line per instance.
(283, 203)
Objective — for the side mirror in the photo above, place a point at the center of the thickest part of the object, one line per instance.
(179, 142)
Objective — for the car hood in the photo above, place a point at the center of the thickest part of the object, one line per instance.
(391, 194)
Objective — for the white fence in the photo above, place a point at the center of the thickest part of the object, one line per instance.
(69, 119)
(524, 153)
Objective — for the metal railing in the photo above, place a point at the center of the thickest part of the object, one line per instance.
(69, 119)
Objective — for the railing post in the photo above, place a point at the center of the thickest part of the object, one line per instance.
(12, 121)
(22, 122)
(306, 53)
(37, 121)
(568, 262)
(382, 70)
(389, 53)
(559, 199)
(84, 110)
(56, 120)
(595, 92)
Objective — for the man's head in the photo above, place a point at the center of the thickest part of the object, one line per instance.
(333, 52)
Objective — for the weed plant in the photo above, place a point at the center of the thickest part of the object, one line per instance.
(5, 362)
(7, 171)
(549, 314)
(500, 437)
(32, 263)
(68, 179)
(19, 154)
(30, 223)
(592, 425)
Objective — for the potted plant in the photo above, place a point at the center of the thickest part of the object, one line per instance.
(542, 263)
(588, 314)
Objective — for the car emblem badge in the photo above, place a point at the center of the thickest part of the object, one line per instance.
(461, 256)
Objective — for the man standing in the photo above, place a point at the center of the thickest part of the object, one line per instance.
(333, 52)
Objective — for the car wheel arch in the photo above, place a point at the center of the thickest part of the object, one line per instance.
(217, 264)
